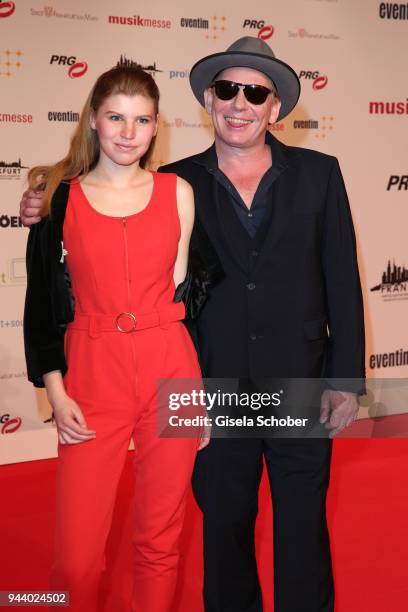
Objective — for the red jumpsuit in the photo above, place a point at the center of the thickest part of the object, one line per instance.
(123, 265)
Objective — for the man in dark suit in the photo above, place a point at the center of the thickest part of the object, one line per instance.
(289, 305)
(282, 299)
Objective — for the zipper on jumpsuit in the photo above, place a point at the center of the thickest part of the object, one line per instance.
(124, 225)
(128, 281)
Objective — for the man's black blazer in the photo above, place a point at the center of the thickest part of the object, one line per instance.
(297, 311)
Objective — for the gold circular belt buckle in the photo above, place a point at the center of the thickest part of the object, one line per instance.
(126, 314)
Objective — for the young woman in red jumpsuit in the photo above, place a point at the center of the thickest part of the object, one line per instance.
(125, 239)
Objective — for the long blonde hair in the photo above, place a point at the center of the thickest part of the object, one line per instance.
(84, 149)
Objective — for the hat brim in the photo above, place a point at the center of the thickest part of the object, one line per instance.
(284, 77)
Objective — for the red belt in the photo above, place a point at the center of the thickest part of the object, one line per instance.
(127, 322)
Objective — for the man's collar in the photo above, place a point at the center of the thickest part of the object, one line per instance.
(208, 158)
(282, 155)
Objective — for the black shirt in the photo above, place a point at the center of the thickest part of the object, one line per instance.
(251, 218)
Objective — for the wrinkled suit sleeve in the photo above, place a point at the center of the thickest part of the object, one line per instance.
(346, 357)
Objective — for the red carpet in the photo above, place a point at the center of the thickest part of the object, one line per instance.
(367, 508)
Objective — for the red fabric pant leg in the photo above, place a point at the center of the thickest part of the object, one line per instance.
(163, 469)
(87, 479)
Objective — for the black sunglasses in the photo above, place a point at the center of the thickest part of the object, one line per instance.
(227, 90)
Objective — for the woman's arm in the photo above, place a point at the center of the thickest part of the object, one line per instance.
(71, 425)
(185, 207)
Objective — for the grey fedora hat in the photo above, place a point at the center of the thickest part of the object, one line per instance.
(248, 52)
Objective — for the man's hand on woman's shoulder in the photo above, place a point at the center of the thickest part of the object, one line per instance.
(30, 207)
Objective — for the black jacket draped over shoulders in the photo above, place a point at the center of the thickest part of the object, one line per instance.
(48, 304)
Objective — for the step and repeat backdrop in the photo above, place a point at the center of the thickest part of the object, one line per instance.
(351, 60)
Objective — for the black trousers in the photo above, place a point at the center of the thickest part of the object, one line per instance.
(226, 482)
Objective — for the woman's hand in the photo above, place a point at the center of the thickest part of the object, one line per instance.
(71, 425)
(70, 421)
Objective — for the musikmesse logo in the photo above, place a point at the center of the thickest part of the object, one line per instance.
(389, 108)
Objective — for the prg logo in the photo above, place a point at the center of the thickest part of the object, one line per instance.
(264, 31)
(319, 81)
(75, 68)
(398, 181)
(9, 424)
(6, 9)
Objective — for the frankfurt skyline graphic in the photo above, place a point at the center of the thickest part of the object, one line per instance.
(16, 164)
(394, 279)
(124, 61)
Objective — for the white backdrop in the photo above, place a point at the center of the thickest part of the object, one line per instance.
(351, 58)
